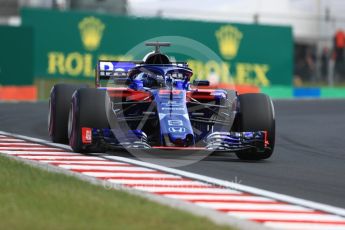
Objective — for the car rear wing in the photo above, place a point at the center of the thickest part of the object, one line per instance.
(106, 70)
(118, 70)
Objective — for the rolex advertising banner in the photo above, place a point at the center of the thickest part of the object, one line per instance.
(68, 44)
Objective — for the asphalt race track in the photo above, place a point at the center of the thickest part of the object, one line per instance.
(308, 162)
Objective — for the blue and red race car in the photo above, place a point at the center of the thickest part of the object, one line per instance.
(152, 104)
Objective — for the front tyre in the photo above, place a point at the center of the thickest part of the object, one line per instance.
(257, 114)
(59, 103)
(87, 111)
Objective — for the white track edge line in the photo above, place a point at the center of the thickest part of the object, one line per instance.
(236, 186)
(213, 215)
(231, 185)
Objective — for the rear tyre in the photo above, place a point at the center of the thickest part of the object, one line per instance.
(88, 111)
(257, 114)
(59, 103)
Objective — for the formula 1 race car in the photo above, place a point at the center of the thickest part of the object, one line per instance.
(152, 104)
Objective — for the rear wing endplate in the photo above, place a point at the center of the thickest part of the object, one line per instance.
(117, 69)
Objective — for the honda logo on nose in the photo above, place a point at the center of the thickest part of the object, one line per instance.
(177, 129)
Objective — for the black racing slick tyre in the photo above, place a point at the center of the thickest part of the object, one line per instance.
(87, 111)
(59, 103)
(257, 114)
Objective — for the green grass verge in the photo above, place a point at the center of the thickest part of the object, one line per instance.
(31, 198)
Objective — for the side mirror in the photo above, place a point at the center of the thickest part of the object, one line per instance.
(201, 83)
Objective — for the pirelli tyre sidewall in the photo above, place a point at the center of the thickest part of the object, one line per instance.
(256, 113)
(59, 104)
(87, 110)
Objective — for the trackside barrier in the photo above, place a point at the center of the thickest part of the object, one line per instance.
(282, 92)
(18, 93)
(30, 93)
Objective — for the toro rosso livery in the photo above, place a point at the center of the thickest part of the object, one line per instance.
(152, 104)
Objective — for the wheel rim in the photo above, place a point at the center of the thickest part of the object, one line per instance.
(49, 118)
(70, 122)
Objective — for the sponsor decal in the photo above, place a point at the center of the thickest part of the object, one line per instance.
(238, 73)
(173, 108)
(91, 31)
(165, 91)
(177, 129)
(175, 123)
(229, 40)
(86, 135)
(172, 103)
